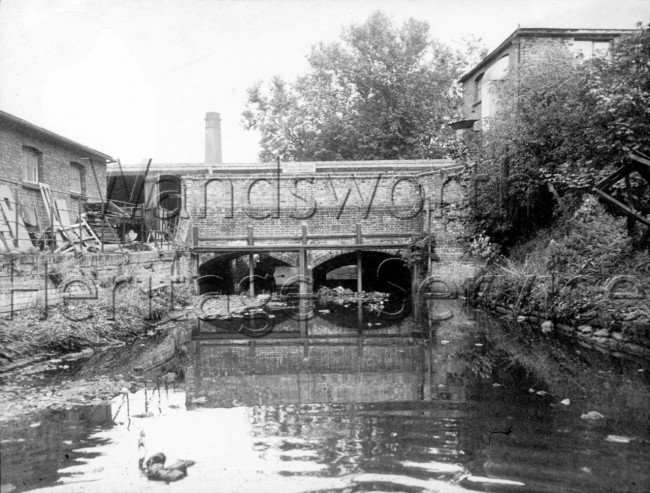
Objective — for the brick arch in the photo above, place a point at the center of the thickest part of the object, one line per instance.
(290, 258)
(319, 257)
(447, 183)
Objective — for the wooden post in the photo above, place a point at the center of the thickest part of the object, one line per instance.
(415, 276)
(53, 242)
(103, 224)
(303, 286)
(429, 237)
(359, 266)
(16, 228)
(46, 300)
(278, 171)
(359, 240)
(251, 265)
(80, 225)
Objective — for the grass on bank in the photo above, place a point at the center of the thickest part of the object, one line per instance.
(87, 323)
(572, 262)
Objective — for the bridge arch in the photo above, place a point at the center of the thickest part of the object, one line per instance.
(223, 272)
(382, 270)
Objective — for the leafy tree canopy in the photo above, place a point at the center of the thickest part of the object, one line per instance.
(382, 92)
(563, 123)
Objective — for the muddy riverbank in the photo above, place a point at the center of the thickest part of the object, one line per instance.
(93, 376)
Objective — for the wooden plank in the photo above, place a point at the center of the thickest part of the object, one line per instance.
(92, 233)
(13, 220)
(296, 248)
(622, 206)
(640, 160)
(6, 210)
(62, 209)
(71, 234)
(4, 246)
(50, 210)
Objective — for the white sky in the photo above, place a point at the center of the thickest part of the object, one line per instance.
(134, 78)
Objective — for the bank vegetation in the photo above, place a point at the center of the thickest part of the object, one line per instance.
(554, 247)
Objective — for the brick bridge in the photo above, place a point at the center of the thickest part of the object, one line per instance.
(316, 217)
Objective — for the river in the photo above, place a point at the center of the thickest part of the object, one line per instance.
(341, 404)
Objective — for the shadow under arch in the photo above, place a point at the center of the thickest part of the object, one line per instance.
(381, 271)
(233, 272)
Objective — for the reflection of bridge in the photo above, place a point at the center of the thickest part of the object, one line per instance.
(306, 370)
(328, 363)
(306, 216)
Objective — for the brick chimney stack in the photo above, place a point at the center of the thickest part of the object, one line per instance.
(213, 138)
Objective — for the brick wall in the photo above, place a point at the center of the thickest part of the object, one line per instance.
(379, 202)
(221, 205)
(98, 270)
(54, 171)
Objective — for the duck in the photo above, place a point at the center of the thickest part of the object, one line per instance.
(154, 465)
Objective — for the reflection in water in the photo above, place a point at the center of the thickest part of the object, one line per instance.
(33, 451)
(317, 406)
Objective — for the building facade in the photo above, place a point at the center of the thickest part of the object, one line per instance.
(523, 46)
(31, 155)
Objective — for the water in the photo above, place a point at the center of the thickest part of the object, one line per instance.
(329, 406)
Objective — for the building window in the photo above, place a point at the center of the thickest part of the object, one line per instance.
(478, 86)
(76, 178)
(588, 49)
(31, 165)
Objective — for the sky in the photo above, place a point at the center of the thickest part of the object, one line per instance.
(134, 78)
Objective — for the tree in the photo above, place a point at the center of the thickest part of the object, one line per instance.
(563, 123)
(380, 93)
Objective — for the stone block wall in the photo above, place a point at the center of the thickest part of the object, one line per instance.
(30, 282)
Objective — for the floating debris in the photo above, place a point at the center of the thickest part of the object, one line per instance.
(484, 480)
(593, 415)
(618, 439)
(436, 467)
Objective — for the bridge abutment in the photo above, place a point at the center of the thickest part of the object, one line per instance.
(304, 220)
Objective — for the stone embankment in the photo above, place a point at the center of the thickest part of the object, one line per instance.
(629, 339)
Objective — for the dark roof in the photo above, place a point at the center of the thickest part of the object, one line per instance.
(13, 122)
(592, 34)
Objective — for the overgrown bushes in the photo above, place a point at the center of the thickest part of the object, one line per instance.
(563, 271)
(562, 124)
(87, 323)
